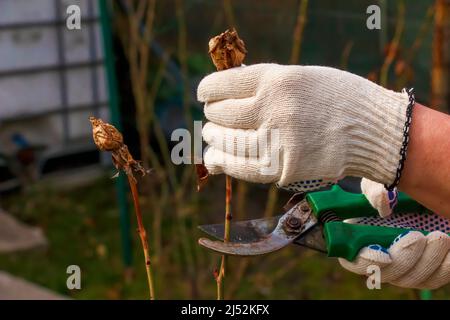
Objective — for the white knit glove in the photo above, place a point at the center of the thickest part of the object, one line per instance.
(412, 261)
(380, 198)
(331, 124)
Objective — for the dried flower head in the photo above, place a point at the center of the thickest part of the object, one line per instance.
(227, 50)
(108, 138)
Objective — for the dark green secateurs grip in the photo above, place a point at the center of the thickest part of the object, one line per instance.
(344, 240)
(348, 205)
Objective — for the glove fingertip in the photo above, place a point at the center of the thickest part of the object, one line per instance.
(368, 257)
(209, 132)
(384, 201)
(376, 254)
(408, 239)
(213, 160)
(202, 92)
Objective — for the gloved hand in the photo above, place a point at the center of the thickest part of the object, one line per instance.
(331, 124)
(413, 260)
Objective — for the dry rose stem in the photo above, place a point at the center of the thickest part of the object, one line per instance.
(227, 51)
(108, 138)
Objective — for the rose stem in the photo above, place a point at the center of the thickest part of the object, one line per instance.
(143, 236)
(226, 237)
(231, 60)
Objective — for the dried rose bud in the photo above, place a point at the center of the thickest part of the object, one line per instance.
(227, 50)
(106, 136)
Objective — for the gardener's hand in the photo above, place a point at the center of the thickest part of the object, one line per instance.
(412, 261)
(330, 124)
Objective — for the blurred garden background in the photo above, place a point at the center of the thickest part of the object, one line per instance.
(137, 64)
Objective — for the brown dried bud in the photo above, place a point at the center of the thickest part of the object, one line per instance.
(106, 136)
(227, 50)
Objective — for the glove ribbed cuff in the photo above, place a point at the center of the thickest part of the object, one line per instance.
(374, 152)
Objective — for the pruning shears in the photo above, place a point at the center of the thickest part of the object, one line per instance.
(314, 220)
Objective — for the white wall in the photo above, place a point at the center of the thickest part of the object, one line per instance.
(29, 94)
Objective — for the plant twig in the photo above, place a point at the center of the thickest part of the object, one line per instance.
(142, 235)
(421, 35)
(226, 237)
(227, 50)
(403, 68)
(272, 198)
(108, 138)
(298, 32)
(229, 16)
(345, 54)
(394, 45)
(440, 57)
(141, 14)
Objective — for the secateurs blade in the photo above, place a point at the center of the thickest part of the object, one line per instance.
(261, 236)
(314, 220)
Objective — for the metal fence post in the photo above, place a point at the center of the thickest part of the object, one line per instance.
(105, 22)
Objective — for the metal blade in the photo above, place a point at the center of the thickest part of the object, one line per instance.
(243, 231)
(313, 239)
(267, 245)
(251, 230)
(291, 225)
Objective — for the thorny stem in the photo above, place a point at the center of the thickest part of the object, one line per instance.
(227, 50)
(107, 138)
(143, 236)
(219, 278)
(226, 237)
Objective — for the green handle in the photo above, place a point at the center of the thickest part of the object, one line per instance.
(348, 205)
(344, 240)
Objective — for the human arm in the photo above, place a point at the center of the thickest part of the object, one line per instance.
(426, 176)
